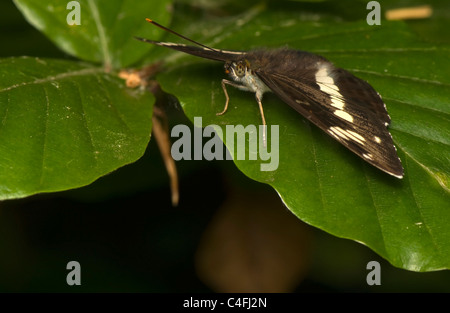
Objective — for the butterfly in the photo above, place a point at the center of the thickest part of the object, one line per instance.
(341, 104)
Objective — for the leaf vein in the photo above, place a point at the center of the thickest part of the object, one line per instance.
(116, 111)
(45, 134)
(427, 139)
(86, 125)
(376, 209)
(426, 168)
(413, 194)
(87, 71)
(411, 78)
(434, 110)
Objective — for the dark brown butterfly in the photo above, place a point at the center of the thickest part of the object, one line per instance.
(342, 105)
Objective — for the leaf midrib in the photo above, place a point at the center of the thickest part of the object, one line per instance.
(101, 35)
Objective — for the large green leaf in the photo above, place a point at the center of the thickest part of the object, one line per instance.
(65, 124)
(324, 184)
(106, 31)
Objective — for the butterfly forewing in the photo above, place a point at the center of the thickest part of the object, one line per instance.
(207, 53)
(342, 105)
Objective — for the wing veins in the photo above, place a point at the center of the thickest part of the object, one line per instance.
(367, 137)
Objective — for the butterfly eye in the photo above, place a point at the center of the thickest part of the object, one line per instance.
(227, 67)
(240, 69)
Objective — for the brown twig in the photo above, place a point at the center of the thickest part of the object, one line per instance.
(161, 133)
(142, 78)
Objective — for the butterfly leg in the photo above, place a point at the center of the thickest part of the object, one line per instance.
(258, 97)
(224, 81)
(233, 84)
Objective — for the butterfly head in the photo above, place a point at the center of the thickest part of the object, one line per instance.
(237, 70)
(242, 73)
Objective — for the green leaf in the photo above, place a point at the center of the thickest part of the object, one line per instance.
(64, 124)
(320, 181)
(106, 31)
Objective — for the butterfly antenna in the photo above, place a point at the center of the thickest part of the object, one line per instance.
(177, 34)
